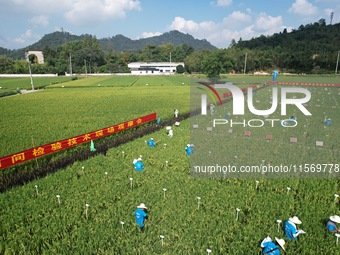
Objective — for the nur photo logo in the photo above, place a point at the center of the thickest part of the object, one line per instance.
(238, 105)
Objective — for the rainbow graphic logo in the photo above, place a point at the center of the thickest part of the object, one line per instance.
(211, 91)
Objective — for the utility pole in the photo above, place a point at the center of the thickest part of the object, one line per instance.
(332, 14)
(337, 62)
(85, 68)
(245, 64)
(70, 65)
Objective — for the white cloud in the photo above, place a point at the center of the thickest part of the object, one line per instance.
(268, 23)
(93, 11)
(78, 12)
(236, 19)
(27, 37)
(237, 25)
(190, 26)
(224, 2)
(303, 7)
(149, 34)
(40, 20)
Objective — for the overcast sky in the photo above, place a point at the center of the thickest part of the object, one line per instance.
(24, 22)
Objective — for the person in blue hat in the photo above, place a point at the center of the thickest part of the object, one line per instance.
(328, 121)
(151, 143)
(189, 149)
(270, 248)
(138, 164)
(290, 229)
(331, 224)
(141, 216)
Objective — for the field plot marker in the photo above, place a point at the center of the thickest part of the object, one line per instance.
(164, 192)
(166, 163)
(82, 168)
(269, 137)
(198, 202)
(36, 189)
(58, 197)
(293, 140)
(336, 197)
(86, 209)
(122, 223)
(165, 146)
(278, 225)
(237, 212)
(131, 182)
(257, 184)
(123, 153)
(319, 143)
(162, 239)
(208, 251)
(337, 238)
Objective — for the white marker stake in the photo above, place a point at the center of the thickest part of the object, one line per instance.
(131, 184)
(86, 210)
(165, 146)
(257, 184)
(58, 197)
(36, 189)
(162, 238)
(288, 189)
(122, 223)
(82, 168)
(123, 153)
(336, 197)
(337, 238)
(198, 202)
(105, 176)
(164, 192)
(166, 163)
(278, 225)
(237, 211)
(208, 251)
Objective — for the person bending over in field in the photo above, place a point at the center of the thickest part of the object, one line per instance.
(331, 224)
(290, 229)
(270, 248)
(189, 149)
(141, 216)
(151, 143)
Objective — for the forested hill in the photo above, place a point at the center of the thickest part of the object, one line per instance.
(316, 38)
(118, 43)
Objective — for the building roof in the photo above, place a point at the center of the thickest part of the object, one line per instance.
(159, 64)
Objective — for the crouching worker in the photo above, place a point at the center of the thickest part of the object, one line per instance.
(270, 248)
(141, 216)
(290, 228)
(151, 143)
(189, 149)
(331, 224)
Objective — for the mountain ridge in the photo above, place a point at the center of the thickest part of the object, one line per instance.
(118, 43)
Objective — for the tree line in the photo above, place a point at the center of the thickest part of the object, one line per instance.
(312, 48)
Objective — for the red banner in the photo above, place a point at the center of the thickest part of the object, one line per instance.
(303, 84)
(46, 149)
(244, 90)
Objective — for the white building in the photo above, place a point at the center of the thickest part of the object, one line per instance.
(153, 68)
